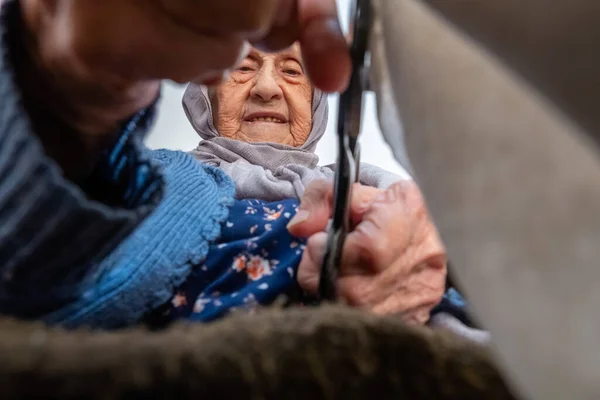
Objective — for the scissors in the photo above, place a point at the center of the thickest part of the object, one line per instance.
(348, 161)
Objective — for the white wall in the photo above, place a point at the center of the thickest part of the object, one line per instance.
(173, 131)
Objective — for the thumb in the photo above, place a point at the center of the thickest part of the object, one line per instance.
(314, 210)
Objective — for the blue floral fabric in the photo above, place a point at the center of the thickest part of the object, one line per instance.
(253, 263)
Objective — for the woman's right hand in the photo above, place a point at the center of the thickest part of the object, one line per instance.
(394, 262)
(106, 58)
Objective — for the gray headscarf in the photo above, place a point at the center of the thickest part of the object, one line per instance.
(268, 171)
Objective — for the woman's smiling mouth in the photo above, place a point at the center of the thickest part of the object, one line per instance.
(265, 117)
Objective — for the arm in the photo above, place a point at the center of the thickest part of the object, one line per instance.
(52, 229)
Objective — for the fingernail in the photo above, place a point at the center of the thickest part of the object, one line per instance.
(300, 217)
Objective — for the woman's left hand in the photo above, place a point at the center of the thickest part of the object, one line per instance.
(393, 262)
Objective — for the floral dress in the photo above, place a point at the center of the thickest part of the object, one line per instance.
(254, 263)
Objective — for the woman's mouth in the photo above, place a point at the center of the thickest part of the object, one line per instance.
(266, 117)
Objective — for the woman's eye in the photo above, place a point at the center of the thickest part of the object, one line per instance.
(244, 69)
(291, 72)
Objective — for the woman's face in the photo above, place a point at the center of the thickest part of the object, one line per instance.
(267, 99)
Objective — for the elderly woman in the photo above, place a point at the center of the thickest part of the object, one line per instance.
(97, 230)
(262, 125)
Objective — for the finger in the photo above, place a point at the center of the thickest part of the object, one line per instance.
(408, 292)
(413, 293)
(285, 30)
(142, 44)
(358, 291)
(309, 270)
(324, 48)
(362, 199)
(225, 17)
(383, 232)
(317, 203)
(314, 210)
(397, 225)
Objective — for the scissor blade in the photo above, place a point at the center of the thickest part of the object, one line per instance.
(348, 129)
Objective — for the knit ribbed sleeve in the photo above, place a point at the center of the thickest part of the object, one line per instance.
(52, 232)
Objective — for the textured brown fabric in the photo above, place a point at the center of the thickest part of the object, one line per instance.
(329, 353)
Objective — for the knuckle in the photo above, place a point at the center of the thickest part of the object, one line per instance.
(377, 247)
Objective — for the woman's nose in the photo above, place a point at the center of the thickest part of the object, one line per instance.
(266, 88)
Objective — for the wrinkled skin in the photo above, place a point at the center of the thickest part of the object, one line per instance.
(393, 262)
(266, 84)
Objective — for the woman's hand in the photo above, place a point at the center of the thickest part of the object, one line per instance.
(93, 64)
(393, 261)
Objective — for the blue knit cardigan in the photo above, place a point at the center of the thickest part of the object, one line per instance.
(69, 257)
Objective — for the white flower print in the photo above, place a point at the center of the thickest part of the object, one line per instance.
(272, 215)
(200, 304)
(239, 263)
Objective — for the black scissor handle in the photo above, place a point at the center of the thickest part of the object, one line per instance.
(348, 129)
